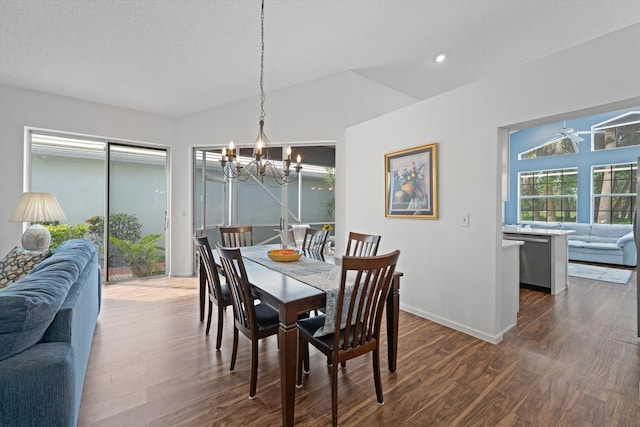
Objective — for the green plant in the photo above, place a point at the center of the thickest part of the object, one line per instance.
(122, 226)
(61, 232)
(142, 257)
(330, 179)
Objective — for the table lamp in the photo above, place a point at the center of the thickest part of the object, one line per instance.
(37, 207)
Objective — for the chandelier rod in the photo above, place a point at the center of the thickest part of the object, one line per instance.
(262, 97)
(261, 165)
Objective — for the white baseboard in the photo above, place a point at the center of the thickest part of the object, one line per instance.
(185, 274)
(493, 339)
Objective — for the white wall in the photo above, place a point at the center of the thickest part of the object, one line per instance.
(20, 108)
(450, 272)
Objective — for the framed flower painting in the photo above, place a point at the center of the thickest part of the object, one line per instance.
(411, 189)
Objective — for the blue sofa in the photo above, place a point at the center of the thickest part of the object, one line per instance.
(47, 320)
(601, 243)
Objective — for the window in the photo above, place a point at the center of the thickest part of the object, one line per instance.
(621, 131)
(549, 196)
(556, 147)
(614, 193)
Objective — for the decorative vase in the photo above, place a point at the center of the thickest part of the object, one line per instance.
(408, 188)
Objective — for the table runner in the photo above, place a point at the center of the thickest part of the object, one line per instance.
(321, 275)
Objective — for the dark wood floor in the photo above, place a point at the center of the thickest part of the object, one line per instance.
(573, 360)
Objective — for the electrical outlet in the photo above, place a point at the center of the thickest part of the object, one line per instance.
(464, 221)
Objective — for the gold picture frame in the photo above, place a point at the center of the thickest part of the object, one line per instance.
(411, 183)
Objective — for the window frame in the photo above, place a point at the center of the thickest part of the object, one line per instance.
(573, 170)
(593, 195)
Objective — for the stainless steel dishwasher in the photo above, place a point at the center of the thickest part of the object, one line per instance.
(535, 260)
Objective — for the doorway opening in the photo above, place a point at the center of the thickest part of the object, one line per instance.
(219, 201)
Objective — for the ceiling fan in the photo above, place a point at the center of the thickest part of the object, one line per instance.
(569, 133)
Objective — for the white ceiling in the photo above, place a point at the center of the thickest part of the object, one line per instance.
(178, 57)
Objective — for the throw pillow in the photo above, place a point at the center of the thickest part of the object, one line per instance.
(18, 263)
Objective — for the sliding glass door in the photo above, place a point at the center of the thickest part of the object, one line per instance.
(137, 208)
(219, 201)
(94, 179)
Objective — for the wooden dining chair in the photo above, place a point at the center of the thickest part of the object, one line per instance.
(362, 244)
(255, 321)
(289, 239)
(219, 293)
(371, 279)
(235, 237)
(314, 240)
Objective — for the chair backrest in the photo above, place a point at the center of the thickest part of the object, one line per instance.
(314, 240)
(235, 237)
(362, 244)
(371, 278)
(288, 238)
(298, 233)
(243, 309)
(211, 270)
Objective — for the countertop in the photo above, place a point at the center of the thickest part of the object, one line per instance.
(536, 231)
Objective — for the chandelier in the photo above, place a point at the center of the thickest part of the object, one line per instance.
(261, 165)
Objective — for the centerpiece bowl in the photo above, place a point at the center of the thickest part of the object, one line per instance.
(284, 255)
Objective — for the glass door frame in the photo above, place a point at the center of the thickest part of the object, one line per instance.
(107, 202)
(199, 219)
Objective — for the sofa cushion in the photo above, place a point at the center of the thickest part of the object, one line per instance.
(75, 251)
(582, 232)
(606, 233)
(18, 263)
(576, 243)
(28, 306)
(603, 246)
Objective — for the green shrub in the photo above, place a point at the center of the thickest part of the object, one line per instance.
(142, 257)
(122, 226)
(62, 232)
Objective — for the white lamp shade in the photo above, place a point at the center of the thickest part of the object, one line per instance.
(38, 207)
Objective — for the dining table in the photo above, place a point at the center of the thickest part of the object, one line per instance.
(287, 291)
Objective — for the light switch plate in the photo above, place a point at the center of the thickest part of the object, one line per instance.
(465, 221)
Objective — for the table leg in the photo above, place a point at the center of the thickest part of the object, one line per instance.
(393, 314)
(203, 289)
(288, 352)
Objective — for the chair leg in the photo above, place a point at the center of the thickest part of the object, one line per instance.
(209, 318)
(300, 358)
(220, 324)
(303, 359)
(306, 357)
(334, 394)
(254, 368)
(376, 375)
(234, 353)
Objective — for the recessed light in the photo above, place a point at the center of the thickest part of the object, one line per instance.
(440, 57)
